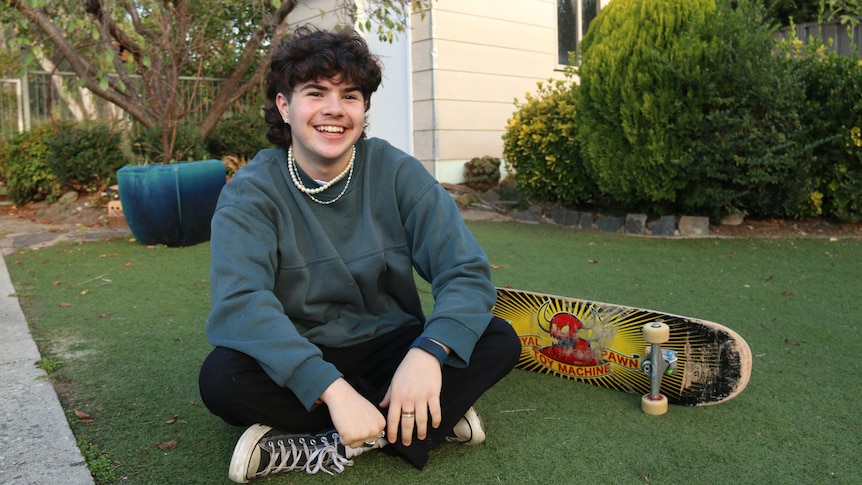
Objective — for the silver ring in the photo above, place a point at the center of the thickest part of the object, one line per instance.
(407, 415)
(369, 444)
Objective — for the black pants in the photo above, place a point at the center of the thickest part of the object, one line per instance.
(234, 387)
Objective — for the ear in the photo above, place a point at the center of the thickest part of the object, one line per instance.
(282, 105)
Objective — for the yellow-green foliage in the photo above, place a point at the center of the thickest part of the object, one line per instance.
(541, 145)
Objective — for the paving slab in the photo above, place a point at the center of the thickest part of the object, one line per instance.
(36, 444)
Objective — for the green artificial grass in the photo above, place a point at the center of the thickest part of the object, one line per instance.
(126, 322)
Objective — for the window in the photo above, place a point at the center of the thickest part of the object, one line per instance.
(573, 20)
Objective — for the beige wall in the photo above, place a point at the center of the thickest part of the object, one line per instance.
(471, 60)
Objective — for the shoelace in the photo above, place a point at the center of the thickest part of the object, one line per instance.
(316, 457)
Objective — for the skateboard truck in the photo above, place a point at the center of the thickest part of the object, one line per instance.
(659, 363)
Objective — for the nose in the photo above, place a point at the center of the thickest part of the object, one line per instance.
(333, 105)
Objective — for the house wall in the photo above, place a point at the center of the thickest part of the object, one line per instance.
(471, 60)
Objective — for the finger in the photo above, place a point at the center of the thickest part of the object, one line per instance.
(421, 422)
(436, 413)
(408, 421)
(393, 419)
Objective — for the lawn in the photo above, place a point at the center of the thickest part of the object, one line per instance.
(126, 325)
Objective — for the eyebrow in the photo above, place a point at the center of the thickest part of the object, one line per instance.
(321, 87)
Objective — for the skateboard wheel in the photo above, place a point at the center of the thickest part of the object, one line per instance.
(656, 333)
(652, 406)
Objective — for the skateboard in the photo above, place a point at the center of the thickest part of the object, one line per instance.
(615, 346)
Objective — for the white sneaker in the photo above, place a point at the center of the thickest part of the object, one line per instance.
(263, 451)
(469, 430)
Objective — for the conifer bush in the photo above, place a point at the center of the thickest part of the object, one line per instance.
(640, 87)
(682, 107)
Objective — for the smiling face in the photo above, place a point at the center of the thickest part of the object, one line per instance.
(326, 117)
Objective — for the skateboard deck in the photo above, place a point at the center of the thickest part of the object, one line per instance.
(603, 344)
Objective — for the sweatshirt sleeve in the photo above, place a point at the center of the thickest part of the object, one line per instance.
(246, 315)
(446, 254)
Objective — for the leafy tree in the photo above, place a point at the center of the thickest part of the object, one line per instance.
(133, 52)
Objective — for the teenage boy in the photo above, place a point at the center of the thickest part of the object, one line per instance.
(322, 347)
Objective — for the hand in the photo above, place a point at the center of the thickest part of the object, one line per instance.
(355, 418)
(415, 388)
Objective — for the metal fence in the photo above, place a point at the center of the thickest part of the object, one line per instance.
(835, 36)
(41, 96)
(11, 108)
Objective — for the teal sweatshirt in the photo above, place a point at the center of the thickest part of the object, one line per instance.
(288, 273)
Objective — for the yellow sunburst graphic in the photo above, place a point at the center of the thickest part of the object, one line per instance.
(614, 334)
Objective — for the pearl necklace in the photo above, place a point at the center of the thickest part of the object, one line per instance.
(292, 169)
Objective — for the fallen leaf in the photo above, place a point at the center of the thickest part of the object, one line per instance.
(65, 304)
(83, 417)
(57, 283)
(173, 419)
(167, 445)
(85, 292)
(593, 261)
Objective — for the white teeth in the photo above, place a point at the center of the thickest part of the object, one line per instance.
(331, 129)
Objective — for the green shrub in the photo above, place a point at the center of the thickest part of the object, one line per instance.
(684, 106)
(641, 85)
(85, 156)
(188, 144)
(541, 146)
(749, 152)
(482, 173)
(242, 136)
(832, 114)
(23, 167)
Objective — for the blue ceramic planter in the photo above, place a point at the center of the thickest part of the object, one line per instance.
(171, 204)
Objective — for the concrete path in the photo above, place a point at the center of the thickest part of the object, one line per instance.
(36, 444)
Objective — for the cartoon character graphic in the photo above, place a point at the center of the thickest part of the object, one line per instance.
(567, 347)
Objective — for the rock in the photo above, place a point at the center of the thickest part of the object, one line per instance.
(635, 223)
(733, 220)
(609, 224)
(68, 198)
(665, 226)
(572, 219)
(693, 226)
(586, 221)
(533, 215)
(558, 214)
(491, 196)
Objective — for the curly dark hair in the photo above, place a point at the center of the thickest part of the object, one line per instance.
(311, 54)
